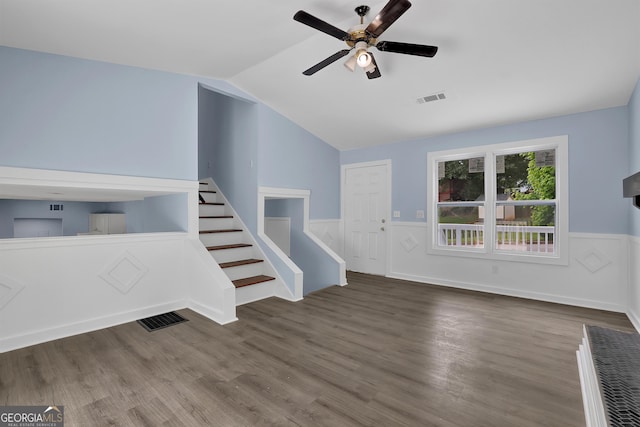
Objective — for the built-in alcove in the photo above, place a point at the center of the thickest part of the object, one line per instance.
(37, 218)
(39, 203)
(283, 224)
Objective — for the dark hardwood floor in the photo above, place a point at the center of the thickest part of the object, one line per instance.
(377, 352)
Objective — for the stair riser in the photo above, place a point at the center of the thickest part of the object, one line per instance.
(255, 292)
(243, 271)
(203, 187)
(216, 239)
(215, 223)
(211, 210)
(228, 255)
(209, 197)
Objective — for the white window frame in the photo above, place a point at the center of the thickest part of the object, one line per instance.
(490, 152)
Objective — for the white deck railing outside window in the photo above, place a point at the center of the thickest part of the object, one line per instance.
(525, 238)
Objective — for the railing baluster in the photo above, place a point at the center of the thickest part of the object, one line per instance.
(537, 239)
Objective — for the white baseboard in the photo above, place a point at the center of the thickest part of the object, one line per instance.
(511, 292)
(635, 319)
(591, 398)
(90, 325)
(211, 313)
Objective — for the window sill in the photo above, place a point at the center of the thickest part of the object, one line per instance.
(501, 256)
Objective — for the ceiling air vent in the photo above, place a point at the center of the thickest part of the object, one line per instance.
(439, 96)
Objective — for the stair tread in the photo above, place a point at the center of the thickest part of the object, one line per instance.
(251, 280)
(240, 262)
(217, 216)
(228, 230)
(232, 246)
(207, 191)
(212, 203)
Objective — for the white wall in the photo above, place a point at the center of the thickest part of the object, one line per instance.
(56, 287)
(59, 286)
(634, 213)
(633, 300)
(595, 277)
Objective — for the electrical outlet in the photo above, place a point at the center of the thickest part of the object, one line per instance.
(396, 214)
(419, 214)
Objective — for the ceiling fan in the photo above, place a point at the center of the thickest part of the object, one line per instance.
(362, 37)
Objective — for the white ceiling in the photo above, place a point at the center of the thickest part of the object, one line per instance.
(499, 61)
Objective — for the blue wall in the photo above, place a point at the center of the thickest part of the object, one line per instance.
(242, 141)
(154, 214)
(75, 215)
(151, 215)
(319, 269)
(634, 154)
(291, 157)
(598, 150)
(229, 138)
(71, 114)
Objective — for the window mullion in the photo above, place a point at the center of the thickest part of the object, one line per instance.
(490, 202)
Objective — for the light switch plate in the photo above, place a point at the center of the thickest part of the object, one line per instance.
(419, 214)
(396, 214)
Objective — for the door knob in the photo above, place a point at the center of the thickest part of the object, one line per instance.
(383, 220)
(381, 228)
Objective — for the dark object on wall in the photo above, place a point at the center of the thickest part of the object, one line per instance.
(631, 188)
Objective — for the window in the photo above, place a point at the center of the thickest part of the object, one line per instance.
(503, 201)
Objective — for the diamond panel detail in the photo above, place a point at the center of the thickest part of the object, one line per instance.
(327, 238)
(8, 290)
(124, 272)
(593, 260)
(409, 243)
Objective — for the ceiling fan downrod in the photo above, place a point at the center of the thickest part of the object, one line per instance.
(362, 12)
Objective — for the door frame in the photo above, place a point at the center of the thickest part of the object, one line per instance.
(343, 175)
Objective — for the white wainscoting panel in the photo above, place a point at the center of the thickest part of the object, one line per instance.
(633, 309)
(595, 277)
(329, 231)
(56, 287)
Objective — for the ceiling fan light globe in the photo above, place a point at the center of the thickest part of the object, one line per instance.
(351, 63)
(363, 58)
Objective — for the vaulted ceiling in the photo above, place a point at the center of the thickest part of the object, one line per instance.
(498, 62)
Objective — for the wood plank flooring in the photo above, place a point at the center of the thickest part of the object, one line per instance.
(378, 352)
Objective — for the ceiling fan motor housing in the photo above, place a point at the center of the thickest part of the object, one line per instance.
(362, 10)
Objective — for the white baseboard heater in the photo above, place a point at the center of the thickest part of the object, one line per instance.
(609, 366)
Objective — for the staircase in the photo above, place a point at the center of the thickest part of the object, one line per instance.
(229, 245)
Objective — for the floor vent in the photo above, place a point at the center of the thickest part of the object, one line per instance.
(430, 98)
(616, 356)
(160, 321)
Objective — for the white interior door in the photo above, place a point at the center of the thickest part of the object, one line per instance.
(366, 210)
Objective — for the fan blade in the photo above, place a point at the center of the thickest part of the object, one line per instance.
(320, 25)
(408, 48)
(376, 72)
(330, 60)
(387, 16)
